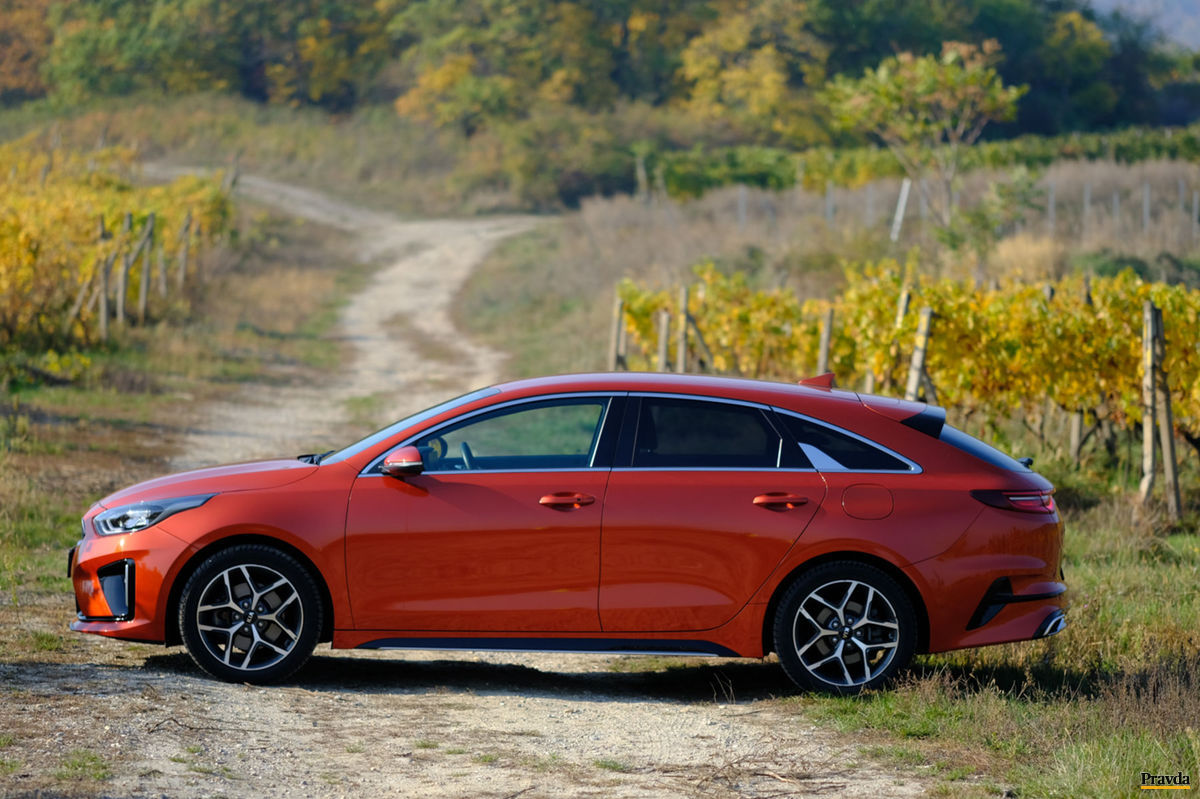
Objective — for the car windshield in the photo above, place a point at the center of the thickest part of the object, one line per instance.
(408, 421)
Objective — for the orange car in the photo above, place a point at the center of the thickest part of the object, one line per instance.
(616, 513)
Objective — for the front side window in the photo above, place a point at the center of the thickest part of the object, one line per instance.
(679, 433)
(553, 434)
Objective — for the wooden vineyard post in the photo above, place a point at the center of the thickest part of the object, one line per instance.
(916, 368)
(615, 361)
(1147, 484)
(182, 258)
(894, 353)
(162, 271)
(123, 280)
(681, 336)
(901, 206)
(1166, 421)
(144, 285)
(826, 336)
(664, 340)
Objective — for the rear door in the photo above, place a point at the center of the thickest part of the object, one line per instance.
(701, 506)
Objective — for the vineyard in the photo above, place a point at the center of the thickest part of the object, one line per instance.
(690, 173)
(996, 351)
(83, 247)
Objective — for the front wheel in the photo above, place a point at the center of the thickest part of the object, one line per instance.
(251, 614)
(844, 627)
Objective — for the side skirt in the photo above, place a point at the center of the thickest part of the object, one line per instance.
(592, 646)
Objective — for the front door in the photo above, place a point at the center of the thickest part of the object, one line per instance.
(500, 533)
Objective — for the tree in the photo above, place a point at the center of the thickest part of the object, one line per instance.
(926, 110)
(756, 66)
(24, 42)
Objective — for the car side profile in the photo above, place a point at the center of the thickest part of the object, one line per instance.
(602, 513)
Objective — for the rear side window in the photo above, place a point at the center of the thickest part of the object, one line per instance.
(831, 450)
(678, 433)
(985, 452)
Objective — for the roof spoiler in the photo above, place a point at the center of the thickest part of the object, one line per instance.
(819, 381)
(929, 421)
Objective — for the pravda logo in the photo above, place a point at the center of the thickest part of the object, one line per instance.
(1158, 782)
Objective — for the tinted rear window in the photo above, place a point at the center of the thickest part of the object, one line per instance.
(676, 433)
(985, 452)
(844, 450)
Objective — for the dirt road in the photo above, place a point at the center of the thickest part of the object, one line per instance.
(366, 724)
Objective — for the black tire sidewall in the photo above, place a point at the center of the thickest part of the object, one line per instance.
(256, 555)
(805, 584)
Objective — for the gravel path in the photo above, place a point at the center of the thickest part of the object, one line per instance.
(367, 724)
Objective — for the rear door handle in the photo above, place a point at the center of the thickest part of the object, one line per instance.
(566, 500)
(779, 500)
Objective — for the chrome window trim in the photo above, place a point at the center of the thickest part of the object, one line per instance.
(770, 469)
(914, 467)
(371, 469)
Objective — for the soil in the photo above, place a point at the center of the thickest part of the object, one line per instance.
(358, 723)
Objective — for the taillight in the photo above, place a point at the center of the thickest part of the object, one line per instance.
(1024, 501)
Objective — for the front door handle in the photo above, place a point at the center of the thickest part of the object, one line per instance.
(779, 500)
(566, 500)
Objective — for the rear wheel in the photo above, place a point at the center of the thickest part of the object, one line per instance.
(250, 614)
(844, 627)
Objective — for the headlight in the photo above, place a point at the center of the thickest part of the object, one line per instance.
(140, 515)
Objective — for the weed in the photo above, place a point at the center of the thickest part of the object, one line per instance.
(6, 741)
(355, 748)
(489, 757)
(456, 750)
(46, 642)
(425, 744)
(81, 764)
(9, 766)
(612, 765)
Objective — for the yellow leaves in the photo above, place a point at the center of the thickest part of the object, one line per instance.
(1005, 349)
(49, 231)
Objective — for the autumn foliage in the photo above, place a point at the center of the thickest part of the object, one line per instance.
(52, 204)
(1000, 350)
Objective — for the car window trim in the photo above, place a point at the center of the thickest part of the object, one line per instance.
(914, 467)
(613, 398)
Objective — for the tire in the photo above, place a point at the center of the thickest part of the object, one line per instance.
(844, 628)
(250, 614)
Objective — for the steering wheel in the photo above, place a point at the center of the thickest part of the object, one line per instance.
(468, 457)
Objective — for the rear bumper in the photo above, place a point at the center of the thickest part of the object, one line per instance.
(1000, 582)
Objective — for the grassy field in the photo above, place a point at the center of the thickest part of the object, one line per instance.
(371, 156)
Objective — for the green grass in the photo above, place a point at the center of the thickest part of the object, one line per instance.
(83, 765)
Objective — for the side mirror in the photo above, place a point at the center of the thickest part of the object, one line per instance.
(402, 462)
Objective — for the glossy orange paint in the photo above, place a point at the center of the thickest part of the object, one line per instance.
(656, 555)
(678, 558)
(475, 552)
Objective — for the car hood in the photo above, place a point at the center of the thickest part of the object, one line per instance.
(218, 479)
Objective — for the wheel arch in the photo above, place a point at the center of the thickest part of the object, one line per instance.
(885, 566)
(171, 631)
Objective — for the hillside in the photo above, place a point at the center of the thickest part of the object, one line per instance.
(1179, 20)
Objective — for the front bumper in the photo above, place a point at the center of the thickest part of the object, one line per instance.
(120, 583)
